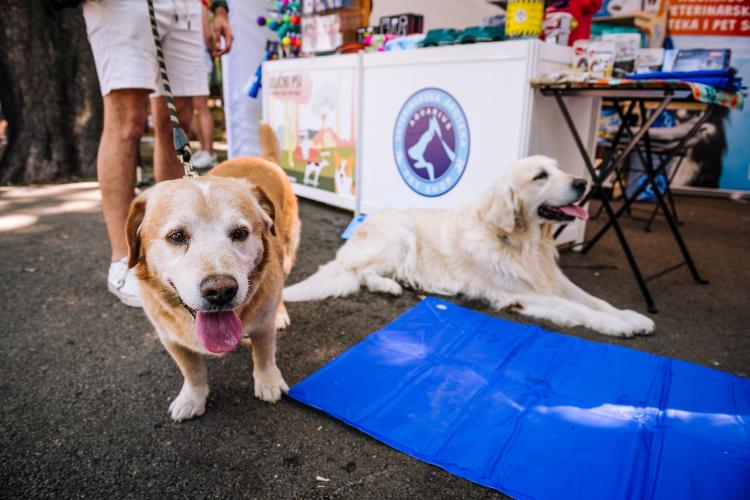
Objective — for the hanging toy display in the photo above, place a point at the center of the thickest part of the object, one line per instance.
(285, 20)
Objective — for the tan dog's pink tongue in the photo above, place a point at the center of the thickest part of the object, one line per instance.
(575, 211)
(219, 331)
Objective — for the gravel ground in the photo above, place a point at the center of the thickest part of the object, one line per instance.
(84, 384)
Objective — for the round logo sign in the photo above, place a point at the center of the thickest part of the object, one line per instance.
(431, 142)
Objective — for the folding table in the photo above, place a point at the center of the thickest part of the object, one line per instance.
(636, 95)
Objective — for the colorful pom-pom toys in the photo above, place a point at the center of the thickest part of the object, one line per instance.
(285, 21)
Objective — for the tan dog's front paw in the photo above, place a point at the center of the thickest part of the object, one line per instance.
(189, 403)
(269, 385)
(282, 317)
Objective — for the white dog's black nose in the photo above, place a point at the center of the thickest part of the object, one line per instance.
(219, 289)
(579, 186)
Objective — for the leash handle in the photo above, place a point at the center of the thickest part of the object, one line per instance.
(179, 138)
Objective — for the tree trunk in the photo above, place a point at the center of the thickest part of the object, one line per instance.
(49, 93)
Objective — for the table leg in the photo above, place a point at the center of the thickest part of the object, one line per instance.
(665, 210)
(605, 168)
(607, 207)
(670, 198)
(665, 161)
(624, 127)
(621, 159)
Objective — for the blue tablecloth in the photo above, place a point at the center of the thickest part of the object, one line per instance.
(720, 79)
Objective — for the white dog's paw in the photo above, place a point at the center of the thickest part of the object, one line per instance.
(391, 287)
(643, 324)
(282, 317)
(615, 326)
(269, 385)
(381, 284)
(189, 403)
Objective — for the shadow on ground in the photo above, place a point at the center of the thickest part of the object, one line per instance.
(84, 384)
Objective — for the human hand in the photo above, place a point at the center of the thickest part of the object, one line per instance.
(208, 33)
(210, 44)
(223, 33)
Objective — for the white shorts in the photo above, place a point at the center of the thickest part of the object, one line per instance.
(119, 32)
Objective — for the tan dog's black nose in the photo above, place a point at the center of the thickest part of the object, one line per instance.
(219, 289)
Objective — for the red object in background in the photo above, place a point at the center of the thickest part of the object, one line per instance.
(583, 11)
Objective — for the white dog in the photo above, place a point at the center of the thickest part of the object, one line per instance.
(312, 173)
(496, 248)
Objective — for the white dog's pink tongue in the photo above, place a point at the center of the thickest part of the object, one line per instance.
(575, 211)
(219, 331)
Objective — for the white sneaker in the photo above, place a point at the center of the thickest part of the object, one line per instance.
(122, 282)
(203, 160)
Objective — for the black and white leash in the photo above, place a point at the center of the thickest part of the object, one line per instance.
(181, 143)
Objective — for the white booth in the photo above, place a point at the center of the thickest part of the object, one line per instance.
(430, 127)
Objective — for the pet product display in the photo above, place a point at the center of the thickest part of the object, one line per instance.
(648, 60)
(333, 25)
(408, 42)
(476, 34)
(365, 31)
(596, 57)
(445, 36)
(557, 27)
(401, 24)
(618, 8)
(700, 59)
(524, 19)
(582, 12)
(626, 46)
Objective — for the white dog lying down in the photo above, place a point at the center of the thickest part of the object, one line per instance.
(498, 248)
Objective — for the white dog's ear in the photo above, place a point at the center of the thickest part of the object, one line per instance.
(504, 208)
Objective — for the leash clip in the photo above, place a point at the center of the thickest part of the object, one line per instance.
(187, 163)
(184, 154)
(180, 140)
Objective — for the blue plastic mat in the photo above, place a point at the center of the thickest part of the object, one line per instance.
(540, 415)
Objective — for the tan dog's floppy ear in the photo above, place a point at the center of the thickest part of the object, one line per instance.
(504, 209)
(268, 209)
(133, 229)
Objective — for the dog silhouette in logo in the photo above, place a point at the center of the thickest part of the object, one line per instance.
(417, 151)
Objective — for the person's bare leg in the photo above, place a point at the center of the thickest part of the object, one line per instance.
(166, 164)
(124, 121)
(205, 125)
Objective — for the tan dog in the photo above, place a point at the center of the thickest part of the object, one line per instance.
(211, 254)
